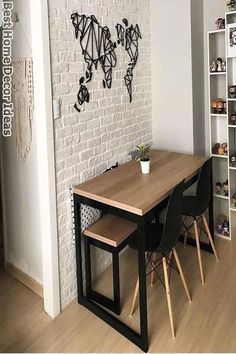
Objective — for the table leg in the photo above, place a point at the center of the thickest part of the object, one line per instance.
(142, 285)
(78, 246)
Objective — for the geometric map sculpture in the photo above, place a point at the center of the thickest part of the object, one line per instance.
(98, 48)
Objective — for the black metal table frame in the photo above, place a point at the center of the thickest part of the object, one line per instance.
(140, 339)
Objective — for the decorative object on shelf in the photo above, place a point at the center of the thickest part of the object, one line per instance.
(220, 149)
(215, 149)
(225, 186)
(220, 23)
(233, 118)
(219, 64)
(144, 158)
(218, 188)
(225, 228)
(224, 146)
(213, 66)
(218, 106)
(231, 40)
(234, 200)
(222, 225)
(223, 65)
(219, 222)
(232, 91)
(233, 160)
(231, 4)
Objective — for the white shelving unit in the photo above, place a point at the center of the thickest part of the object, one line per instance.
(221, 130)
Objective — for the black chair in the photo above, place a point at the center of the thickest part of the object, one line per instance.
(196, 206)
(161, 238)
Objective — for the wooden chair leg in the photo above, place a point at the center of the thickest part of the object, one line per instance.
(153, 271)
(137, 289)
(134, 297)
(198, 251)
(169, 260)
(181, 274)
(168, 296)
(210, 237)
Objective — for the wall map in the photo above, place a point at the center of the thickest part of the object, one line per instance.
(98, 49)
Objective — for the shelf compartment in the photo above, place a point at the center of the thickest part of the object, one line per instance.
(231, 66)
(232, 188)
(219, 131)
(220, 174)
(217, 87)
(231, 108)
(216, 45)
(232, 144)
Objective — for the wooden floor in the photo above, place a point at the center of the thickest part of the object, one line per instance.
(208, 324)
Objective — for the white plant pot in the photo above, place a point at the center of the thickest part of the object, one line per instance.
(145, 167)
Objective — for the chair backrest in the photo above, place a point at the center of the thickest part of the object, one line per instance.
(203, 193)
(173, 219)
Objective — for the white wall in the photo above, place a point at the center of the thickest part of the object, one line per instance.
(20, 179)
(197, 32)
(172, 75)
(213, 9)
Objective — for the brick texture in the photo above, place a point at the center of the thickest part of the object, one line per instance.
(108, 127)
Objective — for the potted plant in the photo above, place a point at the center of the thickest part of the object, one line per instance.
(143, 157)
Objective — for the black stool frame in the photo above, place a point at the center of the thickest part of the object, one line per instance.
(113, 305)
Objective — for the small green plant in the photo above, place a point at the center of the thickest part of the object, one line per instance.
(142, 152)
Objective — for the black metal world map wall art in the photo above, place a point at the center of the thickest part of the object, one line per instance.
(98, 48)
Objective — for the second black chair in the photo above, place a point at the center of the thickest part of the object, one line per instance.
(161, 238)
(196, 206)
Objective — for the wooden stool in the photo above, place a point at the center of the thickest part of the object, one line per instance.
(109, 233)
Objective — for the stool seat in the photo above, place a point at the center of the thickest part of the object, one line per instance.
(111, 229)
(110, 233)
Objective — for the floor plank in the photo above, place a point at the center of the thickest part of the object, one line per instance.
(208, 324)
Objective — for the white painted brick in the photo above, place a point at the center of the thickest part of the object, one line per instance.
(60, 89)
(60, 67)
(66, 35)
(87, 154)
(58, 45)
(107, 127)
(94, 142)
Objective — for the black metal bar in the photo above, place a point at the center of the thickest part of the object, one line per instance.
(115, 323)
(116, 281)
(78, 245)
(113, 305)
(104, 301)
(87, 263)
(141, 231)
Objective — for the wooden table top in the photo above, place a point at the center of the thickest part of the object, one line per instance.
(126, 188)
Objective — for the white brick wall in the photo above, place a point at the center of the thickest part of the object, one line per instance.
(108, 126)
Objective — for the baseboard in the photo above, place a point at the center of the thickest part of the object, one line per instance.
(25, 279)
